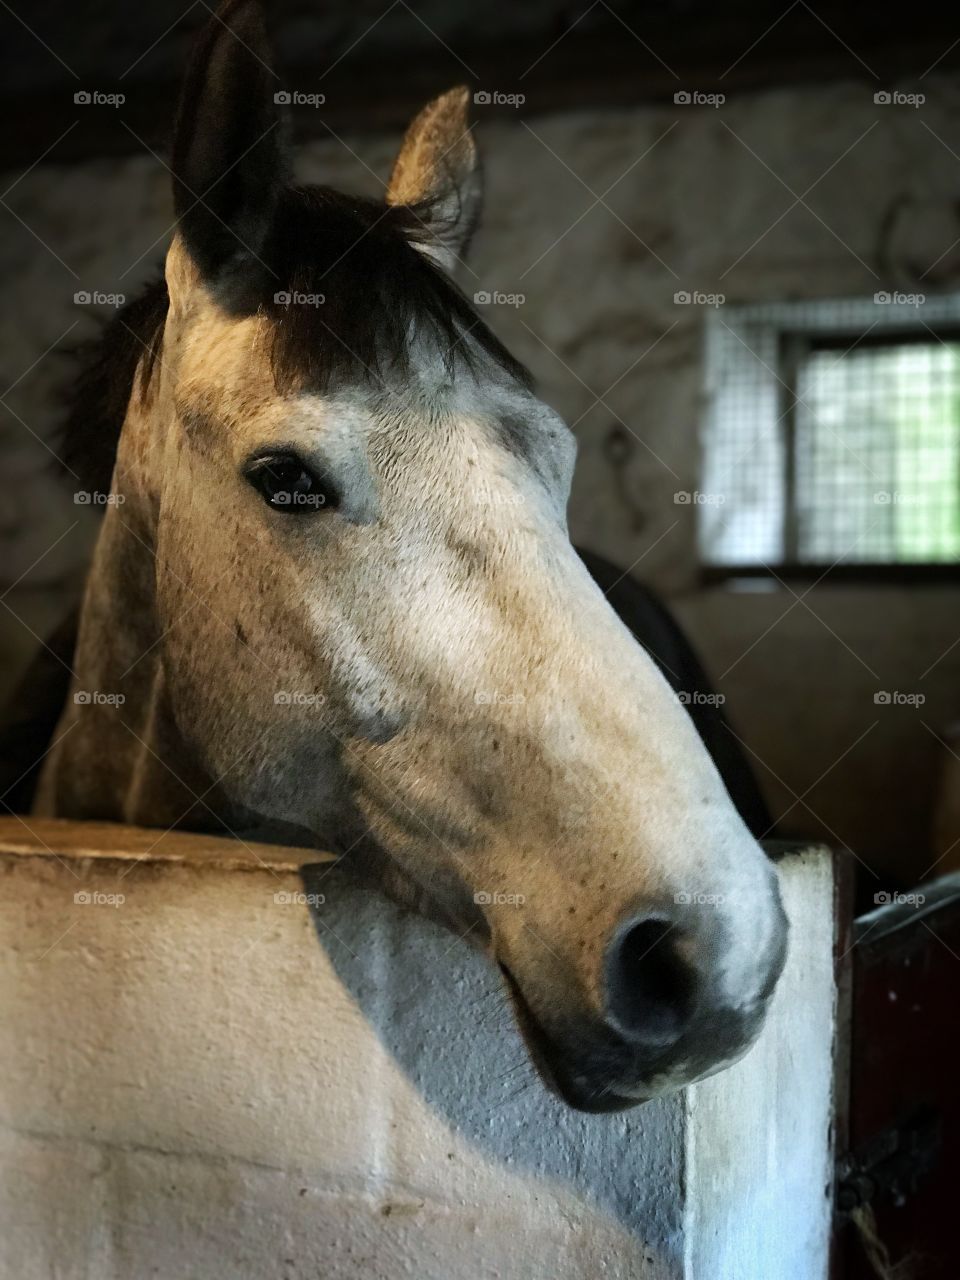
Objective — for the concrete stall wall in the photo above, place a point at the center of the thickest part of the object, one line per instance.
(596, 220)
(219, 1071)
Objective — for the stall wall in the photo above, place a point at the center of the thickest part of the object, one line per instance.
(228, 1072)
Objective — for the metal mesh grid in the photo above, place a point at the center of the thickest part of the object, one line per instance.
(877, 449)
(833, 434)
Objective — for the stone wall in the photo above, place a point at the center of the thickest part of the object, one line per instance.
(597, 219)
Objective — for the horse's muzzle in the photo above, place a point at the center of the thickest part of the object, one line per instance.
(668, 1018)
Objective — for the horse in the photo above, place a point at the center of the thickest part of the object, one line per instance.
(334, 599)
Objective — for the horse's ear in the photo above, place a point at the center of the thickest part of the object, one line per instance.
(229, 162)
(438, 168)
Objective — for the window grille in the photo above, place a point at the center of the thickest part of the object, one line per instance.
(832, 435)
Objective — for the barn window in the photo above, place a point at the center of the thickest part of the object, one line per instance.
(832, 437)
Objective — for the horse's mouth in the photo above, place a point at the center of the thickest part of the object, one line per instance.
(551, 1064)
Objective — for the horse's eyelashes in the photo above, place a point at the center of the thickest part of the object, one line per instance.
(289, 486)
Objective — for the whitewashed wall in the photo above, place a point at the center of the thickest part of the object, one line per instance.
(689, 192)
(201, 1082)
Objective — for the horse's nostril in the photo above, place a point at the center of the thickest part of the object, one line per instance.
(650, 987)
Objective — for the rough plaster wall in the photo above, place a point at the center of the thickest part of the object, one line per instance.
(686, 193)
(215, 1082)
(203, 1083)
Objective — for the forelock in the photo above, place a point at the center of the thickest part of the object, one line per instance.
(349, 299)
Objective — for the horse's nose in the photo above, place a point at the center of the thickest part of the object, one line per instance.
(651, 987)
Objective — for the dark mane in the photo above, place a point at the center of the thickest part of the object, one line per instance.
(380, 295)
(97, 397)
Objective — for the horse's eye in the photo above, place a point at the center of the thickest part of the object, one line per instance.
(286, 484)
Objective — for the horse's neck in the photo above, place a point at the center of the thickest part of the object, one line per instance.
(113, 744)
(116, 753)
